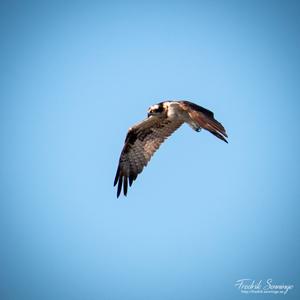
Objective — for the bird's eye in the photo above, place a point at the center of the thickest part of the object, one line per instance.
(155, 110)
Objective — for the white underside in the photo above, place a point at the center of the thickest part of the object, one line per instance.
(174, 111)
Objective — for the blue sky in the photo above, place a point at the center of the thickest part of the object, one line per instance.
(203, 214)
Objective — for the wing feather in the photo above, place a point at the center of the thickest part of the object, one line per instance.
(141, 142)
(204, 118)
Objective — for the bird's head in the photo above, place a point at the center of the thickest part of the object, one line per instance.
(157, 110)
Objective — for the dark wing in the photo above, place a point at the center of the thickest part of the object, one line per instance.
(141, 142)
(204, 118)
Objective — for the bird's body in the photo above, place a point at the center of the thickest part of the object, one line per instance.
(145, 137)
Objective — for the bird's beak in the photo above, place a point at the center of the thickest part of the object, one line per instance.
(149, 114)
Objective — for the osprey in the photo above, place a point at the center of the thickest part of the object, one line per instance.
(144, 138)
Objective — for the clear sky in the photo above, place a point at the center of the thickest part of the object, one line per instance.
(75, 75)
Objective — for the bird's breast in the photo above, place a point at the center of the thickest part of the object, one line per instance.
(172, 111)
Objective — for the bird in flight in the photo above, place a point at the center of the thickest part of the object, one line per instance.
(145, 137)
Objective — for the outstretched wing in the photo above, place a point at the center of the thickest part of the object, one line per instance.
(204, 118)
(141, 142)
